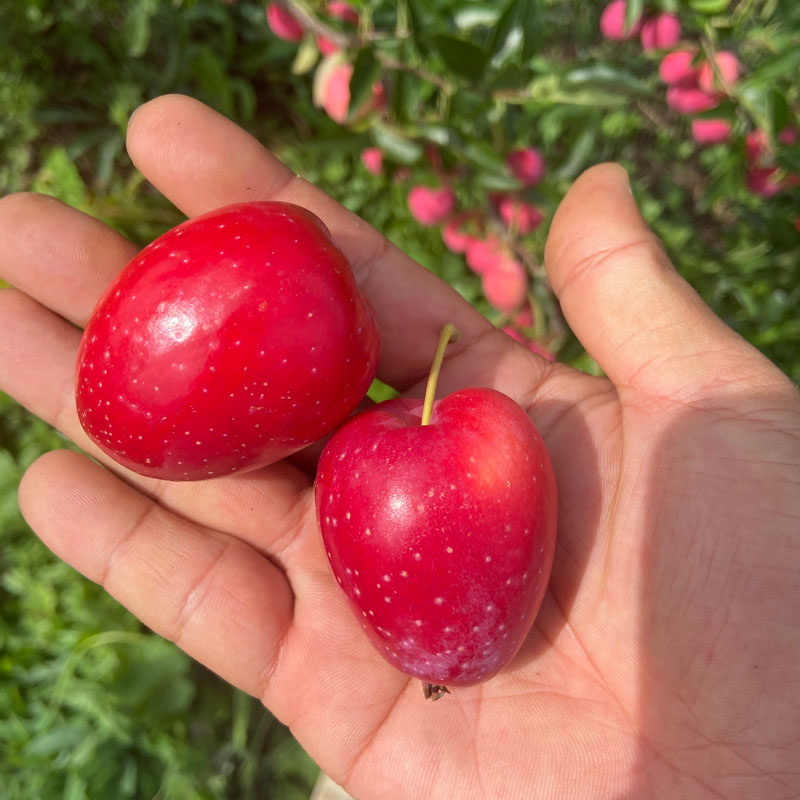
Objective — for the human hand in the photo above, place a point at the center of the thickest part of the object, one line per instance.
(664, 660)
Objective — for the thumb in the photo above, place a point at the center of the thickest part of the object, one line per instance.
(635, 315)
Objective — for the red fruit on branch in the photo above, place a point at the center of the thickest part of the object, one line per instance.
(326, 46)
(339, 9)
(372, 159)
(688, 100)
(483, 255)
(430, 206)
(439, 522)
(764, 181)
(232, 341)
(711, 131)
(519, 216)
(461, 230)
(612, 22)
(527, 165)
(506, 284)
(728, 67)
(676, 69)
(332, 90)
(660, 32)
(283, 24)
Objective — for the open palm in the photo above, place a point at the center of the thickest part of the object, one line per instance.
(664, 660)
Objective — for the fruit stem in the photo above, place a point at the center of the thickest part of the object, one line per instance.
(449, 332)
(433, 691)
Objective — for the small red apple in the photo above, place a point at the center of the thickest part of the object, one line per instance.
(689, 100)
(527, 165)
(728, 66)
(340, 9)
(331, 90)
(430, 206)
(676, 69)
(506, 284)
(484, 255)
(439, 522)
(519, 216)
(372, 159)
(461, 230)
(711, 131)
(232, 341)
(283, 24)
(612, 22)
(660, 32)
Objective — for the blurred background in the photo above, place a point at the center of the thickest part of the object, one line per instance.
(455, 128)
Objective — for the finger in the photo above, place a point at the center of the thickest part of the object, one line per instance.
(201, 160)
(61, 257)
(642, 322)
(180, 580)
(37, 368)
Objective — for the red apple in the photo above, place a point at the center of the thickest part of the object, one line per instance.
(484, 255)
(461, 230)
(430, 206)
(506, 284)
(612, 22)
(340, 9)
(689, 100)
(230, 342)
(660, 32)
(728, 66)
(711, 131)
(283, 24)
(527, 165)
(372, 159)
(676, 69)
(441, 535)
(519, 216)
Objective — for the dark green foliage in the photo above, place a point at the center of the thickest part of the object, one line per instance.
(94, 705)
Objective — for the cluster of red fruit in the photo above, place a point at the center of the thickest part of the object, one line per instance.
(490, 241)
(332, 78)
(696, 86)
(238, 338)
(489, 249)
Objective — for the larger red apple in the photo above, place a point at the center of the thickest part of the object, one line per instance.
(230, 342)
(441, 535)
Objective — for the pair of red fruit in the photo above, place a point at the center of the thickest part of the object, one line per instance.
(238, 338)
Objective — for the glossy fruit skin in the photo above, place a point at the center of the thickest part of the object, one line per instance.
(441, 536)
(228, 343)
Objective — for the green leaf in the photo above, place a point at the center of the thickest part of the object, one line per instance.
(603, 76)
(58, 739)
(780, 113)
(416, 18)
(487, 158)
(710, 6)
(306, 57)
(137, 26)
(58, 176)
(465, 18)
(462, 57)
(106, 157)
(554, 89)
(397, 147)
(531, 29)
(579, 156)
(366, 71)
(508, 22)
(440, 134)
(633, 12)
